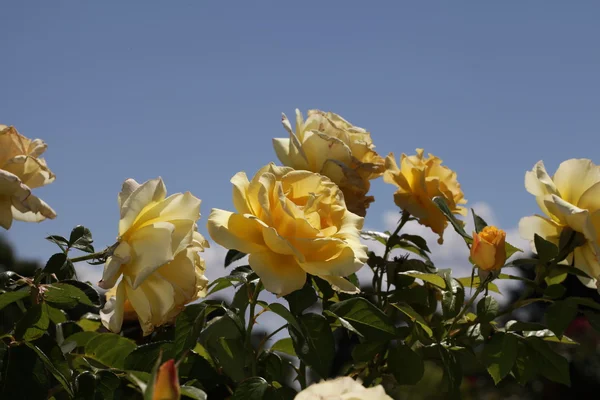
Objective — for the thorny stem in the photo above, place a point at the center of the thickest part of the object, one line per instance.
(251, 321)
(98, 255)
(388, 248)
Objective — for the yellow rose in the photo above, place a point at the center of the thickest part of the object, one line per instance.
(419, 180)
(329, 145)
(571, 198)
(166, 384)
(344, 388)
(488, 251)
(291, 223)
(156, 255)
(21, 169)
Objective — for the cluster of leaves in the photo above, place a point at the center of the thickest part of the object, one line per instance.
(410, 320)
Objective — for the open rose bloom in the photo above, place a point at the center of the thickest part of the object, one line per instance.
(21, 170)
(569, 199)
(156, 257)
(344, 388)
(292, 223)
(329, 145)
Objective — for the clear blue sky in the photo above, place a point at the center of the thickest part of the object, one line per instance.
(193, 90)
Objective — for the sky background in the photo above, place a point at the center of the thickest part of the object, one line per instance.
(193, 91)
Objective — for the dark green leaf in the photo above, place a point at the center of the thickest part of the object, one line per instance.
(57, 316)
(56, 263)
(251, 389)
(314, 343)
(225, 343)
(499, 355)
(24, 375)
(559, 315)
(107, 348)
(65, 296)
(550, 364)
(414, 317)
(546, 250)
(59, 241)
(54, 361)
(300, 300)
(193, 392)
(525, 368)
(285, 346)
(188, 325)
(555, 291)
(10, 297)
(365, 318)
(283, 312)
(143, 357)
(434, 279)
(232, 256)
(479, 222)
(66, 329)
(518, 326)
(374, 235)
(343, 322)
(453, 299)
(417, 240)
(33, 324)
(487, 309)
(466, 281)
(366, 351)
(81, 238)
(406, 365)
(452, 371)
(273, 366)
(458, 225)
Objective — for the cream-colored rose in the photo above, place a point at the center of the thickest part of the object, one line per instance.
(329, 145)
(156, 255)
(571, 198)
(419, 180)
(22, 169)
(291, 223)
(344, 388)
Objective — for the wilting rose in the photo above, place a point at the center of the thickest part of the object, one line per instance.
(488, 251)
(156, 255)
(419, 180)
(344, 388)
(166, 384)
(569, 199)
(22, 169)
(291, 223)
(329, 145)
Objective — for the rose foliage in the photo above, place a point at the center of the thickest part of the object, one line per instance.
(154, 327)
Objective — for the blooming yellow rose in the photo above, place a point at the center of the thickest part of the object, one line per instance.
(156, 255)
(22, 169)
(571, 198)
(344, 388)
(291, 223)
(488, 251)
(329, 145)
(166, 384)
(419, 180)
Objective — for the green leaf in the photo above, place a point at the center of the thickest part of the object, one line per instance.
(366, 351)
(34, 323)
(225, 343)
(414, 317)
(555, 291)
(458, 225)
(586, 302)
(525, 368)
(143, 357)
(548, 336)
(510, 250)
(81, 238)
(556, 275)
(188, 325)
(479, 222)
(300, 300)
(453, 299)
(434, 279)
(452, 371)
(343, 322)
(374, 235)
(54, 361)
(56, 263)
(314, 343)
(466, 281)
(549, 364)
(24, 375)
(365, 318)
(103, 385)
(232, 256)
(57, 316)
(273, 367)
(283, 312)
(418, 241)
(406, 365)
(59, 241)
(10, 297)
(251, 389)
(568, 241)
(285, 346)
(546, 250)
(559, 315)
(499, 355)
(487, 309)
(518, 326)
(65, 296)
(109, 349)
(88, 324)
(193, 392)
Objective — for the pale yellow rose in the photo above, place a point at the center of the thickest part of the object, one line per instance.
(571, 198)
(419, 180)
(488, 251)
(329, 145)
(156, 255)
(22, 169)
(344, 388)
(291, 223)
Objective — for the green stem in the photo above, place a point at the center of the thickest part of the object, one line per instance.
(467, 305)
(403, 221)
(378, 278)
(252, 305)
(87, 257)
(302, 375)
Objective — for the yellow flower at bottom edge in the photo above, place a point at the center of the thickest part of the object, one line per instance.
(419, 180)
(291, 223)
(488, 251)
(569, 199)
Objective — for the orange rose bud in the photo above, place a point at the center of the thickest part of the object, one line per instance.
(166, 385)
(488, 251)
